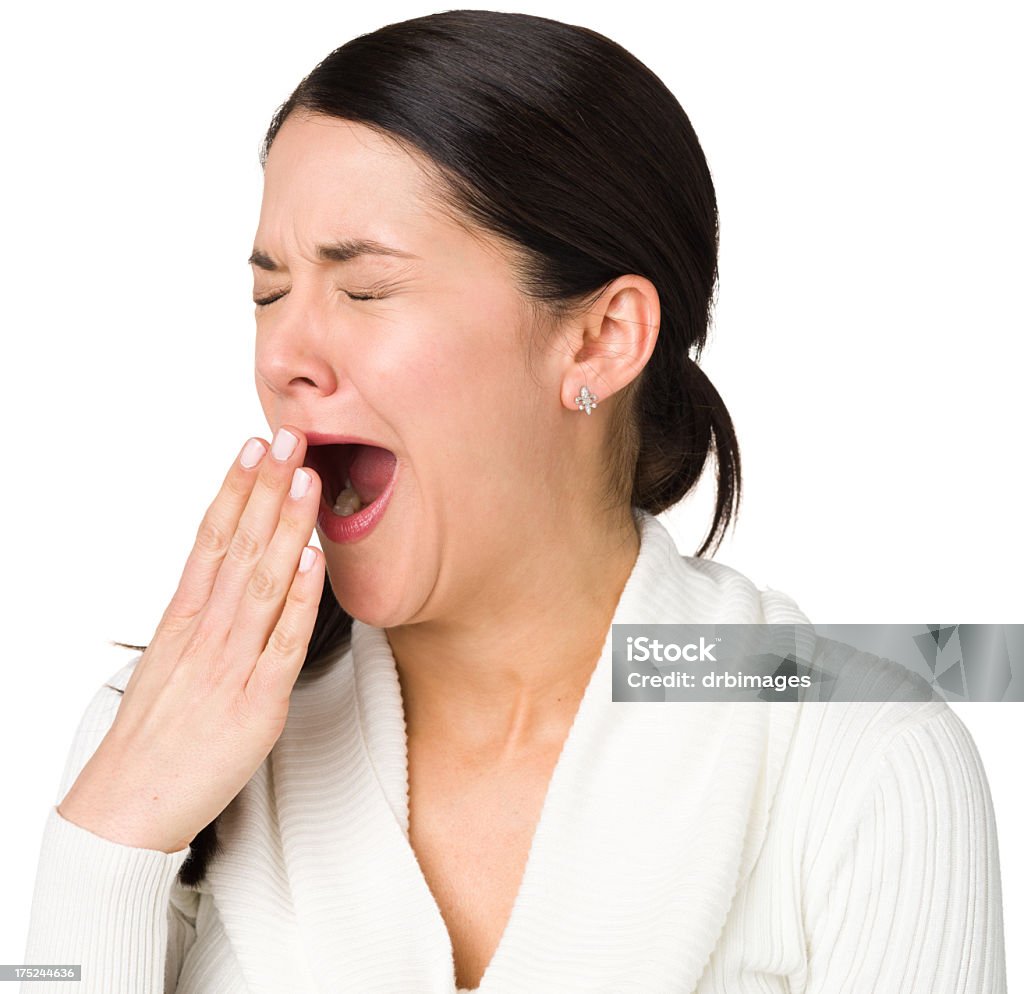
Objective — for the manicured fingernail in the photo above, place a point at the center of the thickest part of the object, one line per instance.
(252, 453)
(283, 445)
(306, 560)
(300, 484)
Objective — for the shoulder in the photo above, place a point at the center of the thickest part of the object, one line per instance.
(876, 737)
(915, 867)
(931, 769)
(898, 771)
(731, 585)
(673, 586)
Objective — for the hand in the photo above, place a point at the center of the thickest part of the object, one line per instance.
(209, 697)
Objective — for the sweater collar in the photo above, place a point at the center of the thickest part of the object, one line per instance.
(663, 585)
(633, 780)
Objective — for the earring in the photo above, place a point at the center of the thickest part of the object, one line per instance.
(586, 401)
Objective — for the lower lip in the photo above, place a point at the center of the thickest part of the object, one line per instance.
(356, 526)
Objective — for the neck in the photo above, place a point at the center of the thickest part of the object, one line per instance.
(509, 674)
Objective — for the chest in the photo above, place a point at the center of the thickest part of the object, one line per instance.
(471, 827)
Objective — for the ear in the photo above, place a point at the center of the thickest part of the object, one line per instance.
(612, 341)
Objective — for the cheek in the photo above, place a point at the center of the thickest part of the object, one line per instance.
(463, 416)
(441, 364)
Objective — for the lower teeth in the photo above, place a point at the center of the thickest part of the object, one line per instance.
(347, 502)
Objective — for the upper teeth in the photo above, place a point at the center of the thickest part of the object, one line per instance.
(348, 501)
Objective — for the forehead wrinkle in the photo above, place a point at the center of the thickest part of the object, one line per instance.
(338, 252)
(428, 193)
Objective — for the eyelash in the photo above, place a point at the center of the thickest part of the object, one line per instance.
(264, 301)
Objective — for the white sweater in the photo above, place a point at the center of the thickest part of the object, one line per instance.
(717, 848)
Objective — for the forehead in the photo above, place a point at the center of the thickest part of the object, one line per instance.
(325, 174)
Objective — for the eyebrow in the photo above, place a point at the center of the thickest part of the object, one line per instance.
(344, 250)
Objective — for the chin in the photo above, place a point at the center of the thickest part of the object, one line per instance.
(366, 595)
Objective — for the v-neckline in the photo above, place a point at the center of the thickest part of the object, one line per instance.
(392, 765)
(387, 748)
(524, 886)
(337, 787)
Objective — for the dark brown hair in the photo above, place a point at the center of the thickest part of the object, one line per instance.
(559, 141)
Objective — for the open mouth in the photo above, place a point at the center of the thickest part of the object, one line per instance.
(353, 475)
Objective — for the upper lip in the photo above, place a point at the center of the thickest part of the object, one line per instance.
(320, 438)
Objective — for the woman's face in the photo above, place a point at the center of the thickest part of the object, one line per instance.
(432, 369)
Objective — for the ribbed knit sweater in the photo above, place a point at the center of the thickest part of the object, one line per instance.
(718, 847)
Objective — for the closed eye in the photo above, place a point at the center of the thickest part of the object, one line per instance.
(264, 301)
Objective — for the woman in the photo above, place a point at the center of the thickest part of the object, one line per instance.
(486, 249)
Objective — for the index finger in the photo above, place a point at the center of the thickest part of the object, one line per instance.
(214, 535)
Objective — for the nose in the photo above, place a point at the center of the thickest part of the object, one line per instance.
(290, 354)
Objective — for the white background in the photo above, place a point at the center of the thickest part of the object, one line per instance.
(867, 164)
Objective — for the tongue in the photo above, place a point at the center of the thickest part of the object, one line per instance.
(370, 471)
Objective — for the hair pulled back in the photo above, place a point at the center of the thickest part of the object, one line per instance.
(559, 141)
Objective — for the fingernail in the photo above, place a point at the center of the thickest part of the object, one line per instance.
(283, 445)
(300, 484)
(252, 453)
(306, 560)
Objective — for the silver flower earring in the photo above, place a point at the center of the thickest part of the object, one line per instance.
(586, 401)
